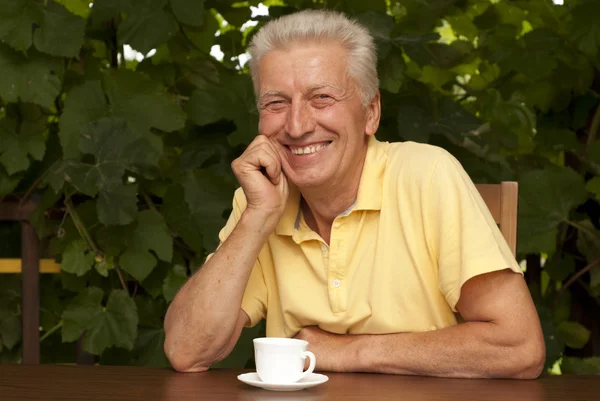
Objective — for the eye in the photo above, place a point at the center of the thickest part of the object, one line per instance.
(323, 96)
(274, 105)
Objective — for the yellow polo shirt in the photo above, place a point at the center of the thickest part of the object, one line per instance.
(397, 258)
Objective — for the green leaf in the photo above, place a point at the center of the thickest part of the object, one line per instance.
(15, 147)
(117, 205)
(150, 311)
(143, 103)
(115, 149)
(237, 16)
(413, 121)
(594, 152)
(391, 72)
(17, 18)
(186, 225)
(154, 281)
(436, 78)
(574, 334)
(77, 7)
(462, 24)
(584, 27)
(208, 195)
(84, 104)
(580, 366)
(80, 312)
(556, 139)
(510, 119)
(150, 234)
(546, 198)
(593, 186)
(199, 150)
(360, 6)
(541, 95)
(173, 282)
(188, 12)
(417, 120)
(31, 79)
(61, 34)
(562, 307)
(554, 342)
(560, 266)
(76, 259)
(104, 266)
(7, 183)
(380, 25)
(10, 329)
(588, 240)
(115, 326)
(245, 114)
(209, 105)
(200, 72)
(147, 26)
(149, 348)
(106, 9)
(438, 54)
(202, 39)
(538, 59)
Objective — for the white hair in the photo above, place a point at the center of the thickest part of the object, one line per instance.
(319, 26)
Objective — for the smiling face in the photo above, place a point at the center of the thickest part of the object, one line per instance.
(312, 110)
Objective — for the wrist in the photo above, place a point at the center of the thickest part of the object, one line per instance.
(358, 354)
(259, 221)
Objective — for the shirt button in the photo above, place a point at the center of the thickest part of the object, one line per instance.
(323, 248)
(336, 283)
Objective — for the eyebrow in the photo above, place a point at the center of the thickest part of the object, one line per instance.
(309, 89)
(324, 86)
(271, 93)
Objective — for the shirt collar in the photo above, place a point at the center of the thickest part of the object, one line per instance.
(369, 190)
(371, 179)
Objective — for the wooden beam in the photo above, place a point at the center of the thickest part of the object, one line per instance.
(14, 211)
(30, 295)
(14, 266)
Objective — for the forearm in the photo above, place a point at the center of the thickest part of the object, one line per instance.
(203, 316)
(472, 349)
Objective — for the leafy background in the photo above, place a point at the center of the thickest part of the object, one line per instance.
(118, 121)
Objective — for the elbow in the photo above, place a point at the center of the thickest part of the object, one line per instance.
(182, 360)
(532, 359)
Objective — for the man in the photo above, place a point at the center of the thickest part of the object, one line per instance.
(364, 249)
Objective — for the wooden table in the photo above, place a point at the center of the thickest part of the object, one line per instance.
(81, 383)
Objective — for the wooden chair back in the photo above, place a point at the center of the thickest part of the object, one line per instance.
(30, 266)
(502, 200)
(30, 291)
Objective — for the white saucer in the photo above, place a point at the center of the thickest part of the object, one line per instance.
(314, 379)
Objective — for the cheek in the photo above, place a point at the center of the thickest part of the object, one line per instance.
(270, 124)
(331, 119)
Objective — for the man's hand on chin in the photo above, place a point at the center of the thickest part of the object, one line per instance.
(334, 352)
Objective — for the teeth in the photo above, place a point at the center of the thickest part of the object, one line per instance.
(308, 149)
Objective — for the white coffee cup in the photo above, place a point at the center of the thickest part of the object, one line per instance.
(281, 360)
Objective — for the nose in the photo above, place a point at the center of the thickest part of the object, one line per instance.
(300, 119)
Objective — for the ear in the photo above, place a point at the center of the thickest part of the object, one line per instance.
(373, 115)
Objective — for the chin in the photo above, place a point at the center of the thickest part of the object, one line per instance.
(309, 180)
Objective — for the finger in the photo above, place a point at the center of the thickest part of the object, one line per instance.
(256, 142)
(264, 159)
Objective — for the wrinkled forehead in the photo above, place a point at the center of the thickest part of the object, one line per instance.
(303, 66)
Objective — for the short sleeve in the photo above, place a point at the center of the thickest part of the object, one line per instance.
(255, 296)
(461, 232)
